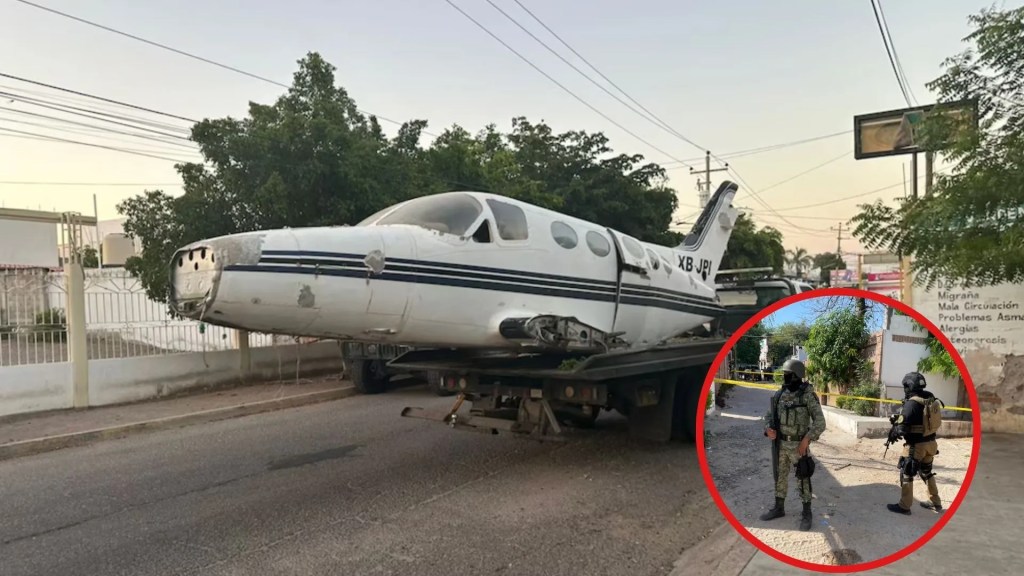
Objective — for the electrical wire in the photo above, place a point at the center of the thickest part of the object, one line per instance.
(895, 53)
(105, 184)
(87, 132)
(652, 118)
(888, 52)
(94, 97)
(557, 83)
(808, 171)
(189, 55)
(37, 136)
(102, 128)
(767, 148)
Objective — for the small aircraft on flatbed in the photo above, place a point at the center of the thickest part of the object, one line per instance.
(460, 270)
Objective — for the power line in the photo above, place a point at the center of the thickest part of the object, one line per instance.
(105, 129)
(94, 97)
(86, 132)
(36, 135)
(895, 53)
(188, 54)
(768, 148)
(556, 82)
(888, 52)
(844, 198)
(40, 183)
(653, 118)
(808, 171)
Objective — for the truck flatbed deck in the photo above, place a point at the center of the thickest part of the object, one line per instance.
(657, 387)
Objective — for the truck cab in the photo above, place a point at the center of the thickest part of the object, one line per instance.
(744, 292)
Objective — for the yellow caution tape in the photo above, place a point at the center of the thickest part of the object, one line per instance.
(776, 387)
(755, 372)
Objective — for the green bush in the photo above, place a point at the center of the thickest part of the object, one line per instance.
(864, 407)
(51, 325)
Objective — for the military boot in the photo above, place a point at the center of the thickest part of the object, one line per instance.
(777, 512)
(805, 517)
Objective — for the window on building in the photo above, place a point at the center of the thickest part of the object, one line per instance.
(446, 213)
(510, 220)
(564, 235)
(598, 244)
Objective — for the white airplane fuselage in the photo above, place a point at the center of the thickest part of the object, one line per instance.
(446, 270)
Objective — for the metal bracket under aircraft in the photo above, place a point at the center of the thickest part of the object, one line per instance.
(560, 333)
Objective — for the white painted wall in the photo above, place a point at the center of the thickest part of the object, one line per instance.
(28, 243)
(986, 325)
(898, 358)
(34, 388)
(38, 387)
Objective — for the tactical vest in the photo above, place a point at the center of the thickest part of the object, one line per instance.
(788, 416)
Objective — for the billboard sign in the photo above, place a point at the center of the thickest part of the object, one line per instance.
(896, 132)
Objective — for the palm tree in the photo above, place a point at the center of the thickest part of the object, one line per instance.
(799, 259)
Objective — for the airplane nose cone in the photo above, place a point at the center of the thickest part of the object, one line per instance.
(196, 270)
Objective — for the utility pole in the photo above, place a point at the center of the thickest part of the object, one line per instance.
(704, 188)
(839, 238)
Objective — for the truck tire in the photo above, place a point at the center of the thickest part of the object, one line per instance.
(687, 403)
(435, 384)
(370, 376)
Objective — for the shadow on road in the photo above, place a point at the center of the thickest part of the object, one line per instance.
(851, 523)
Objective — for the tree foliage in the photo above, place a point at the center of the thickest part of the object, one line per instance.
(970, 231)
(834, 343)
(799, 259)
(938, 360)
(748, 349)
(780, 344)
(752, 248)
(825, 263)
(312, 158)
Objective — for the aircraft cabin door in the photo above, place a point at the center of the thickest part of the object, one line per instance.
(634, 280)
(388, 308)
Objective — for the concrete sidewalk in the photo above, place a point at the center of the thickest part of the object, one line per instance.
(33, 433)
(981, 538)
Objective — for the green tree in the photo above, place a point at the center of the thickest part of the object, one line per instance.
(311, 158)
(825, 263)
(834, 344)
(748, 349)
(780, 344)
(799, 259)
(969, 231)
(938, 360)
(752, 248)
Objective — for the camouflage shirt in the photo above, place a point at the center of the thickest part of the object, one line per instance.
(797, 416)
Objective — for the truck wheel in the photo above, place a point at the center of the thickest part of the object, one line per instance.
(435, 384)
(687, 402)
(370, 376)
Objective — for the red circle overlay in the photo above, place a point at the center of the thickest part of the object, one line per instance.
(975, 416)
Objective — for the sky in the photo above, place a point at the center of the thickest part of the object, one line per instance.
(808, 311)
(729, 76)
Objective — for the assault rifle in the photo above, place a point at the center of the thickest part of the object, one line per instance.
(893, 433)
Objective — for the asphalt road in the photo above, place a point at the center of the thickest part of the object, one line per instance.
(350, 487)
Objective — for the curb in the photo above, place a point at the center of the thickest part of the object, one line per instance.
(723, 552)
(51, 443)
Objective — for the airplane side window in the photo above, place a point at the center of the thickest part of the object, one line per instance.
(598, 244)
(373, 217)
(447, 213)
(633, 247)
(510, 220)
(483, 233)
(655, 261)
(564, 235)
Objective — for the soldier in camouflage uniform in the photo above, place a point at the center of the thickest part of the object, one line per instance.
(800, 420)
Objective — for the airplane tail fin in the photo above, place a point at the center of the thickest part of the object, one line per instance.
(703, 248)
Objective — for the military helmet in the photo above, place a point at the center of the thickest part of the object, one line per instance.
(914, 381)
(796, 367)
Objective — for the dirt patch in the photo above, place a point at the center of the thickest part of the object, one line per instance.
(852, 484)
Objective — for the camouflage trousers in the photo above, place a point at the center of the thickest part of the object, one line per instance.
(788, 456)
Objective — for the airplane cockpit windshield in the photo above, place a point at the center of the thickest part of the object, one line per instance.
(446, 213)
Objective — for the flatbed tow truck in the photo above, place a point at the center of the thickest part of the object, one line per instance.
(545, 395)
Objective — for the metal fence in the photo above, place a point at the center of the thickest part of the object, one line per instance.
(33, 325)
(121, 320)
